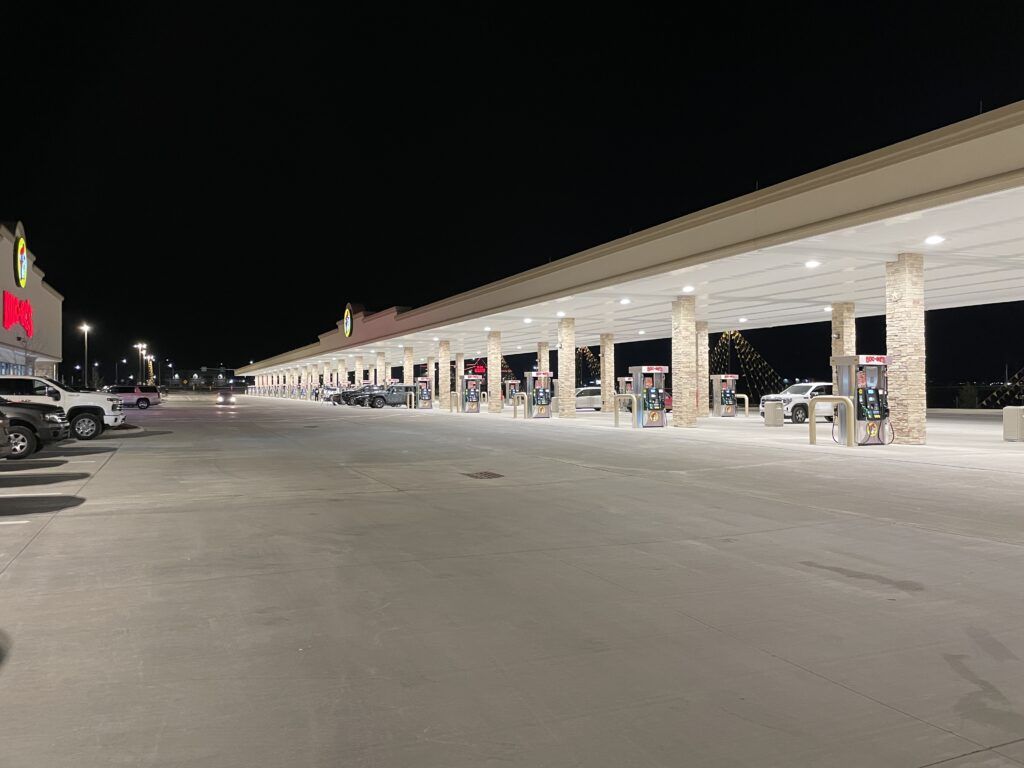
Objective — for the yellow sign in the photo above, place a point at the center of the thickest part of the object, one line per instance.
(21, 262)
(346, 321)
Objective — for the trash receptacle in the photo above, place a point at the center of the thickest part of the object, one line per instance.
(1013, 423)
(774, 416)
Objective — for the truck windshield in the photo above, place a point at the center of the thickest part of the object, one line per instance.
(65, 387)
(797, 389)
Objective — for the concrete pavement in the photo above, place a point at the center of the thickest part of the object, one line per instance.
(286, 583)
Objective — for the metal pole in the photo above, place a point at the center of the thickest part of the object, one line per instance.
(86, 359)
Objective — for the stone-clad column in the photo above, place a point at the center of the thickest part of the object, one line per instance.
(494, 404)
(844, 333)
(543, 358)
(607, 371)
(382, 370)
(358, 373)
(429, 373)
(567, 368)
(460, 369)
(703, 370)
(408, 366)
(444, 375)
(342, 377)
(684, 362)
(307, 381)
(904, 340)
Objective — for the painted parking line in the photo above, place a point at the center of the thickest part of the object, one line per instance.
(15, 522)
(26, 495)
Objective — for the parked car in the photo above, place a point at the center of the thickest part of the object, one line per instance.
(796, 398)
(140, 395)
(393, 395)
(348, 395)
(31, 426)
(5, 439)
(88, 412)
(589, 397)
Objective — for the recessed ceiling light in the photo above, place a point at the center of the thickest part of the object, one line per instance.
(487, 327)
(687, 289)
(559, 313)
(527, 320)
(934, 239)
(641, 333)
(827, 309)
(624, 301)
(812, 264)
(743, 319)
(519, 347)
(436, 339)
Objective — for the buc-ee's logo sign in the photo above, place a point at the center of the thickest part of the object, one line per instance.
(346, 321)
(20, 262)
(18, 312)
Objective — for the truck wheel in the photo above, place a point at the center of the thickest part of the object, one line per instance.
(799, 414)
(378, 402)
(23, 442)
(142, 403)
(86, 426)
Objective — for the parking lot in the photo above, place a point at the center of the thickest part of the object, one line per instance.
(286, 583)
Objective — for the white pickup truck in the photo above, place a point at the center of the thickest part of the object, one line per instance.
(795, 400)
(89, 412)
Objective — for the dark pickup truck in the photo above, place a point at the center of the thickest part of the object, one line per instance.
(393, 395)
(32, 426)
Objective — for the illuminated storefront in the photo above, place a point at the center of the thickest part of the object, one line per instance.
(30, 332)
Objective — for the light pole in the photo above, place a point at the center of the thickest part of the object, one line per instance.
(78, 368)
(141, 346)
(84, 328)
(123, 360)
(95, 373)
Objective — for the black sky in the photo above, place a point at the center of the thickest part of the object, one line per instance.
(220, 181)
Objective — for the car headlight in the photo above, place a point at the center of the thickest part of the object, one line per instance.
(232, 399)
(53, 417)
(787, 400)
(220, 399)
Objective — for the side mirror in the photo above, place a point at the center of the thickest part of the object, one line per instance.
(54, 394)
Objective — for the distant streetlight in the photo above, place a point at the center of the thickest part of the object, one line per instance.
(123, 360)
(141, 346)
(84, 328)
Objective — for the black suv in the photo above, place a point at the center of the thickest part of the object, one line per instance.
(393, 395)
(348, 395)
(33, 425)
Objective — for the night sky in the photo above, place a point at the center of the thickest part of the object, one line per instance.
(219, 182)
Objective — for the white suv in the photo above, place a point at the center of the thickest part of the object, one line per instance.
(89, 412)
(795, 400)
(140, 395)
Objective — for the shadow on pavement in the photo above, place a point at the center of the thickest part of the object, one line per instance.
(118, 435)
(72, 450)
(16, 481)
(37, 505)
(13, 466)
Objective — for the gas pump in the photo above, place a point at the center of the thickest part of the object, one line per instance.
(511, 390)
(471, 393)
(424, 397)
(723, 389)
(625, 388)
(649, 388)
(864, 379)
(538, 394)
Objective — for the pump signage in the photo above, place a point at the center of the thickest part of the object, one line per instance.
(654, 369)
(873, 359)
(20, 262)
(18, 311)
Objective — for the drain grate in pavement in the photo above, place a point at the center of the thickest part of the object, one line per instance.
(482, 475)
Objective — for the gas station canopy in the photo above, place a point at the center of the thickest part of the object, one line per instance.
(779, 256)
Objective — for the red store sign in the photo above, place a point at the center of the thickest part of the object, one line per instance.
(17, 311)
